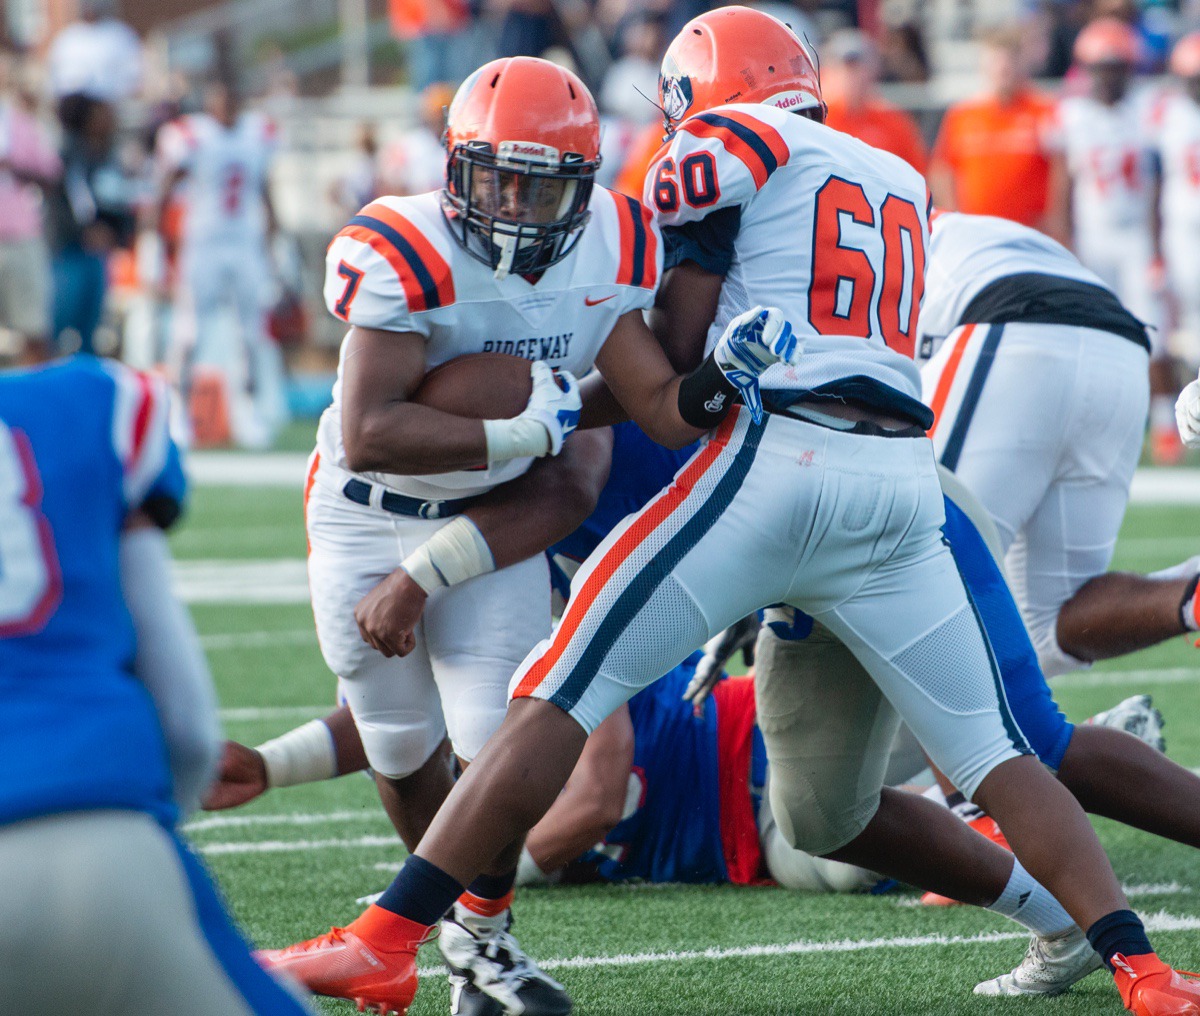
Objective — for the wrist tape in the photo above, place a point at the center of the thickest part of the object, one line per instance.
(303, 755)
(455, 553)
(518, 438)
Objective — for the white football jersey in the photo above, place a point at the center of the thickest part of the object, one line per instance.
(397, 267)
(1110, 154)
(1177, 127)
(832, 231)
(967, 253)
(227, 169)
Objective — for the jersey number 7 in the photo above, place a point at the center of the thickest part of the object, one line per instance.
(30, 579)
(843, 296)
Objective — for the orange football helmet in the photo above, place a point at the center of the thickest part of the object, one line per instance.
(1185, 57)
(1106, 41)
(523, 146)
(736, 54)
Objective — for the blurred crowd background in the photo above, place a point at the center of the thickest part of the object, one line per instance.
(109, 109)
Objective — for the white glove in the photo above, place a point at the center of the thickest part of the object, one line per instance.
(752, 342)
(550, 415)
(1187, 415)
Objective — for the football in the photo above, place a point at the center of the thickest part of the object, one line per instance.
(483, 386)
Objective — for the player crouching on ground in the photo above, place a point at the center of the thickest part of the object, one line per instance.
(519, 252)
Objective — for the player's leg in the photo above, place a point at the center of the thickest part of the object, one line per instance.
(266, 378)
(477, 633)
(939, 683)
(696, 559)
(394, 702)
(111, 908)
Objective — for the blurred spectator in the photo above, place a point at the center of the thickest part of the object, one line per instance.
(28, 164)
(789, 14)
(440, 46)
(1151, 24)
(902, 55)
(361, 183)
(222, 158)
(89, 212)
(416, 161)
(992, 152)
(638, 158)
(855, 105)
(527, 27)
(1052, 28)
(97, 56)
(630, 87)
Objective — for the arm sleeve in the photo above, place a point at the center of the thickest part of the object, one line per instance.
(709, 242)
(170, 663)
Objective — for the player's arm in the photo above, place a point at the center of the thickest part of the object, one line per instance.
(510, 523)
(169, 660)
(317, 750)
(592, 802)
(385, 432)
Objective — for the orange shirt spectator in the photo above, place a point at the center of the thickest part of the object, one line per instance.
(855, 105)
(992, 155)
(996, 153)
(638, 159)
(881, 125)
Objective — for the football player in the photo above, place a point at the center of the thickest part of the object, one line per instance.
(830, 501)
(1105, 185)
(220, 160)
(1037, 375)
(105, 905)
(520, 253)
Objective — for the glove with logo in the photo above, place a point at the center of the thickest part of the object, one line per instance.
(752, 342)
(1187, 415)
(549, 417)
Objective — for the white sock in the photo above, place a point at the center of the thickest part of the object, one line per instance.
(479, 925)
(1183, 570)
(935, 794)
(1030, 905)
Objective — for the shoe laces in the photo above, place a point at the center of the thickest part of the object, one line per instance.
(515, 967)
(334, 936)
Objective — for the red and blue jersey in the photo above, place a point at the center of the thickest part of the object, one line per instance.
(694, 787)
(82, 443)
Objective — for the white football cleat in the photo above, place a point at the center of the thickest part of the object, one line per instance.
(1051, 965)
(1136, 716)
(489, 962)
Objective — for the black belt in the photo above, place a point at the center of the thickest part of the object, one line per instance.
(359, 491)
(867, 427)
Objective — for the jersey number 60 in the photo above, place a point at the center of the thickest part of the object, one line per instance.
(842, 297)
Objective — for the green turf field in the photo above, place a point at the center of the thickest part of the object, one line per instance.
(295, 862)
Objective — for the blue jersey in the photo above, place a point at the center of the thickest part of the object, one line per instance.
(682, 822)
(82, 443)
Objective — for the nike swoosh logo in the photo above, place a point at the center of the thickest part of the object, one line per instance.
(592, 303)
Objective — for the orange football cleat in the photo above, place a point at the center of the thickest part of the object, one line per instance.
(986, 827)
(341, 965)
(1149, 987)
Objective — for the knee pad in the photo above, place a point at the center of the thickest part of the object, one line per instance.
(796, 869)
(395, 746)
(814, 814)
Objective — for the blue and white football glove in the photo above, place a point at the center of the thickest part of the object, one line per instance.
(554, 402)
(752, 342)
(1187, 415)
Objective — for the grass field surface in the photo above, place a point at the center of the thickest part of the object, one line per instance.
(298, 860)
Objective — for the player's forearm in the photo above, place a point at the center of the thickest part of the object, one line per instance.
(600, 406)
(528, 515)
(575, 823)
(407, 438)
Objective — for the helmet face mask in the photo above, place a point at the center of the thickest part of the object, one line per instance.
(518, 215)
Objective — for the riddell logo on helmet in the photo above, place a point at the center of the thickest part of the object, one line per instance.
(790, 100)
(518, 149)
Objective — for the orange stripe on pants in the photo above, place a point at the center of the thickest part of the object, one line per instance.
(946, 381)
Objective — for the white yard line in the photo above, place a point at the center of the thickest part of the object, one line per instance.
(1106, 678)
(272, 580)
(1159, 923)
(258, 639)
(293, 846)
(251, 714)
(289, 819)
